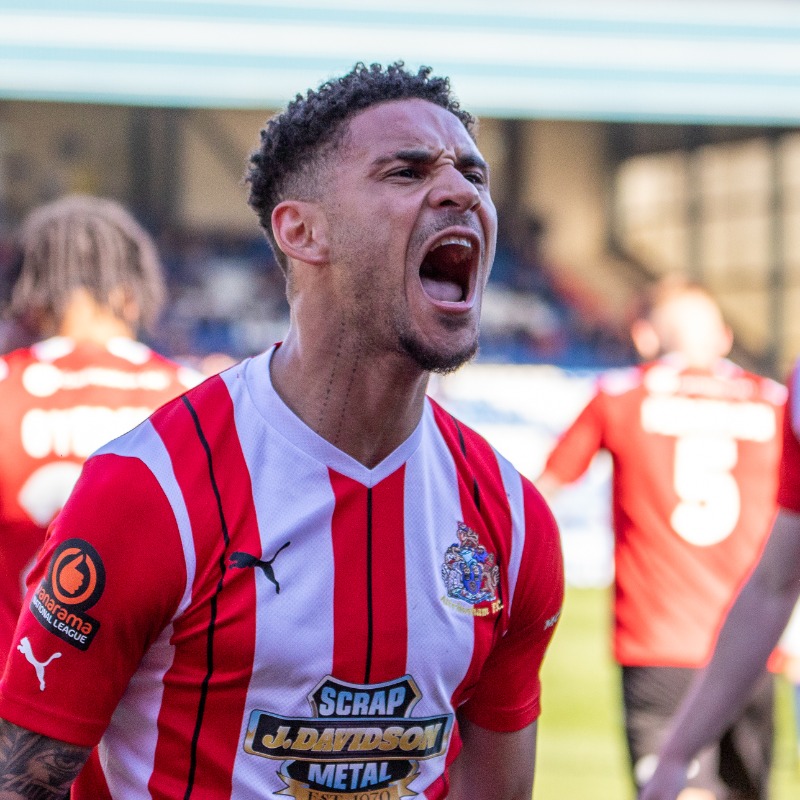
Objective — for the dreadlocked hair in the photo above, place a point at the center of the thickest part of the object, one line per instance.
(91, 243)
(294, 142)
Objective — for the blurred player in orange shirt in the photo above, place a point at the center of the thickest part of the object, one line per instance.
(695, 446)
(87, 276)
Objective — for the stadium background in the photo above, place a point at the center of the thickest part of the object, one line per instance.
(627, 140)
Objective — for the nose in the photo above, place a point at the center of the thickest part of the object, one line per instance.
(453, 189)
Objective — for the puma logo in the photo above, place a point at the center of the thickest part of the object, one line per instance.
(25, 648)
(244, 560)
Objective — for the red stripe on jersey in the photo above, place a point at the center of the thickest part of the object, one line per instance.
(370, 635)
(200, 435)
(485, 509)
(352, 624)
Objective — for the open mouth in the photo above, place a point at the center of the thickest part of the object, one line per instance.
(447, 270)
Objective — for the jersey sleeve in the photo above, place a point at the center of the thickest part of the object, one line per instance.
(576, 447)
(110, 577)
(789, 474)
(507, 695)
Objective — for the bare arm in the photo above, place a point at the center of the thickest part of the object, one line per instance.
(35, 767)
(751, 630)
(492, 765)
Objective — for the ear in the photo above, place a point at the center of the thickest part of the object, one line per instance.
(645, 339)
(122, 303)
(726, 345)
(301, 231)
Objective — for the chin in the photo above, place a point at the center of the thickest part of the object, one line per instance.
(439, 360)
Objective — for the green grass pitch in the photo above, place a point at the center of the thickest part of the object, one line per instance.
(581, 752)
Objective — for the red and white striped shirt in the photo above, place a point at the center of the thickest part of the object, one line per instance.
(60, 401)
(242, 610)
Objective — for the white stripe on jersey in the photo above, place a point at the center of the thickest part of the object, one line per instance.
(285, 481)
(135, 754)
(512, 482)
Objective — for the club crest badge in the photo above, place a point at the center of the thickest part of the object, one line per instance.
(469, 571)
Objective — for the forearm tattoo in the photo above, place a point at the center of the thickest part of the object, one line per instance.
(35, 767)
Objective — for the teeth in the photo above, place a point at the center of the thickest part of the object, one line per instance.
(452, 240)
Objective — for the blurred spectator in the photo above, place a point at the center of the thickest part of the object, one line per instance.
(86, 276)
(532, 314)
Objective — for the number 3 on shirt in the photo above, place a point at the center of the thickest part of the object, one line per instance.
(708, 507)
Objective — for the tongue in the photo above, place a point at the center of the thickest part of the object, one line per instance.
(447, 291)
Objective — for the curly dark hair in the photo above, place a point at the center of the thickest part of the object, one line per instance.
(294, 142)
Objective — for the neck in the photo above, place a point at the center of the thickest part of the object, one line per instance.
(84, 320)
(366, 406)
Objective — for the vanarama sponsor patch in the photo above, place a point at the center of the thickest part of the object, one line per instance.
(74, 583)
(360, 744)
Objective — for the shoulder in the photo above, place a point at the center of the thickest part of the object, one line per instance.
(616, 382)
(22, 356)
(28, 370)
(539, 588)
(120, 482)
(181, 439)
(466, 444)
(187, 377)
(120, 504)
(10, 364)
(541, 528)
(492, 469)
(138, 357)
(771, 391)
(753, 387)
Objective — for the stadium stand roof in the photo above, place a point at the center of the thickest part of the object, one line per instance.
(725, 61)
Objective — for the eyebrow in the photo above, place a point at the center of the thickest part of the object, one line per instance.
(422, 157)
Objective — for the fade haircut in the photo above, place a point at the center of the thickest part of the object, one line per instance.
(85, 242)
(295, 142)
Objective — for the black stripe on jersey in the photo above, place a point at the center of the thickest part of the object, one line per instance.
(213, 621)
(476, 492)
(368, 666)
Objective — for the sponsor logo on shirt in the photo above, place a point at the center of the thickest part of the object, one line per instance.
(470, 575)
(74, 583)
(240, 560)
(360, 744)
(44, 380)
(551, 621)
(26, 649)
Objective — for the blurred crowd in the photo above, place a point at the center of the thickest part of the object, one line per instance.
(226, 296)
